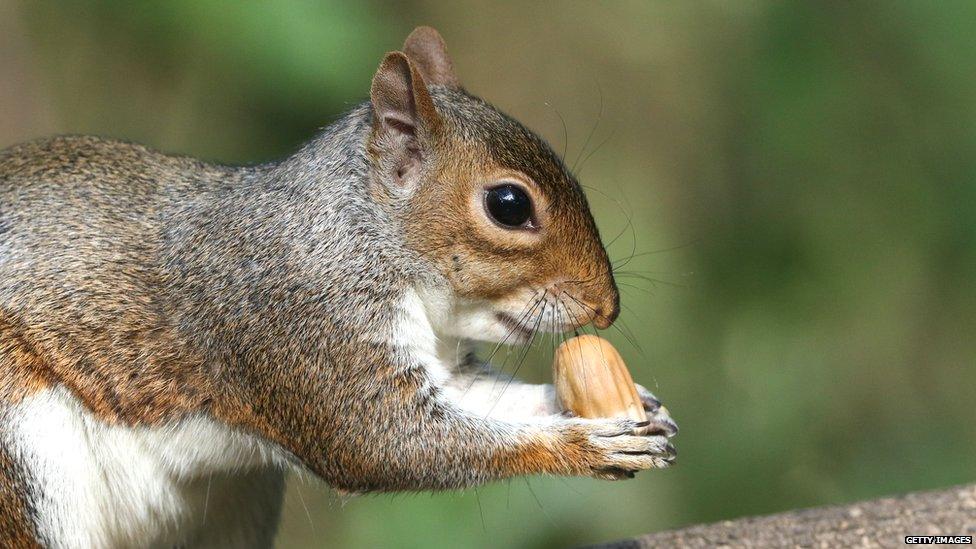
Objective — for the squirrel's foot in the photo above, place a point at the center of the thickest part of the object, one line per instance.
(609, 449)
(658, 415)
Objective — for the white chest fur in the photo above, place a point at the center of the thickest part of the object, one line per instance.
(424, 313)
(194, 482)
(413, 335)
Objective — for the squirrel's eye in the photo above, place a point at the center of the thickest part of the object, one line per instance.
(510, 206)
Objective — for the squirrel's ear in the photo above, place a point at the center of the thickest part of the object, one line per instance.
(401, 102)
(427, 51)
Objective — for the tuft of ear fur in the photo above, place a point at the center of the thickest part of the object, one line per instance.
(427, 51)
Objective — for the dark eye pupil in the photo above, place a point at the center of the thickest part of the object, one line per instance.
(508, 205)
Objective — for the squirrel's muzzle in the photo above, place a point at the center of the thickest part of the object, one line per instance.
(609, 309)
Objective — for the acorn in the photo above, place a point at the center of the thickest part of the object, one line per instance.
(592, 381)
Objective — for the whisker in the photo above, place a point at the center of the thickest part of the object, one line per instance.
(206, 499)
(589, 136)
(565, 131)
(638, 288)
(301, 498)
(573, 324)
(664, 250)
(651, 280)
(500, 374)
(630, 338)
(628, 213)
(632, 311)
(484, 526)
(530, 305)
(525, 353)
(519, 321)
(552, 332)
(648, 272)
(579, 170)
(538, 502)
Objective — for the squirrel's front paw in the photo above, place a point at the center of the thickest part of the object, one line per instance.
(658, 415)
(609, 449)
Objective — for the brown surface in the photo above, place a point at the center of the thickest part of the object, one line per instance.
(879, 523)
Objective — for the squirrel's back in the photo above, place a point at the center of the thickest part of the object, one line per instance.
(93, 183)
(81, 222)
(91, 197)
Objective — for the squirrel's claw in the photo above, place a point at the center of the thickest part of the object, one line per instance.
(610, 450)
(657, 414)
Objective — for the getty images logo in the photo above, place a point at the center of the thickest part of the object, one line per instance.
(939, 540)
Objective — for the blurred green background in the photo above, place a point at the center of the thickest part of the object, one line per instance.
(801, 178)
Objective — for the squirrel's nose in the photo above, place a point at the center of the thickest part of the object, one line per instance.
(602, 320)
(605, 313)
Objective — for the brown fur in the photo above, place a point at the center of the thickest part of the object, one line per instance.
(16, 508)
(25, 373)
(484, 261)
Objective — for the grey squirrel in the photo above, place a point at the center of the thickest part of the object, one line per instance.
(175, 335)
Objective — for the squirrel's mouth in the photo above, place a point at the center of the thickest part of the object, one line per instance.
(515, 328)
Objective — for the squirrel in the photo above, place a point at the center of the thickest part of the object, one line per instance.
(175, 336)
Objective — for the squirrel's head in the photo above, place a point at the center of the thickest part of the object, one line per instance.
(486, 202)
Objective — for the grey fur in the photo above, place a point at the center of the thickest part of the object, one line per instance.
(266, 297)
